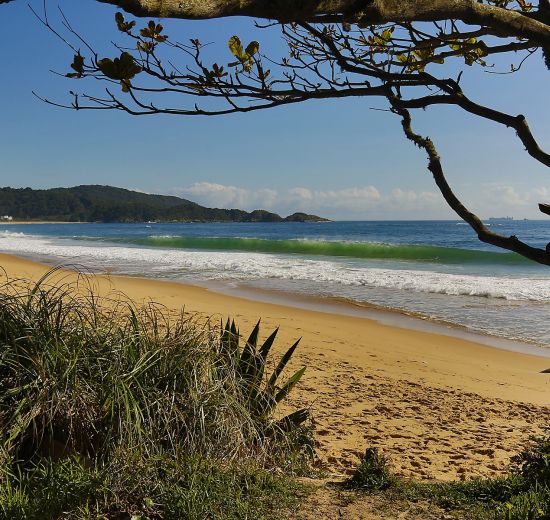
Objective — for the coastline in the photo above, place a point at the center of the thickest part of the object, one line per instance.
(413, 393)
(391, 316)
(26, 222)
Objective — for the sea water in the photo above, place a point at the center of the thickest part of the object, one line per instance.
(435, 269)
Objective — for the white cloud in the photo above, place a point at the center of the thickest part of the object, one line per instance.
(508, 196)
(222, 196)
(345, 199)
(503, 200)
(360, 202)
(369, 202)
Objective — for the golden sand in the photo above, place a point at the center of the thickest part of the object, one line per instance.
(441, 407)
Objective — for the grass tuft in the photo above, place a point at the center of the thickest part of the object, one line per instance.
(372, 472)
(115, 410)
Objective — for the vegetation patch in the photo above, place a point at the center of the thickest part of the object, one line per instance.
(523, 495)
(142, 487)
(112, 411)
(372, 473)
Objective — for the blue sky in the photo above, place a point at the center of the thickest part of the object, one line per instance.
(340, 158)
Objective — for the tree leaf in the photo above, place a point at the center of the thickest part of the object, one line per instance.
(386, 34)
(78, 66)
(123, 68)
(252, 48)
(236, 47)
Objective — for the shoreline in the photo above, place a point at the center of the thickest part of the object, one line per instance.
(495, 304)
(28, 222)
(390, 316)
(207, 299)
(417, 395)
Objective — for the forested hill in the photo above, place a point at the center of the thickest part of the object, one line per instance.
(108, 204)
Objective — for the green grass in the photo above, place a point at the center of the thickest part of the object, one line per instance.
(148, 488)
(372, 473)
(475, 499)
(109, 410)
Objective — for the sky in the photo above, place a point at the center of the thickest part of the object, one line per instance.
(337, 158)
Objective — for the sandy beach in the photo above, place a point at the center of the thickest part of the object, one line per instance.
(440, 407)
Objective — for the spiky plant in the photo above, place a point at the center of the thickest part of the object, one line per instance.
(262, 394)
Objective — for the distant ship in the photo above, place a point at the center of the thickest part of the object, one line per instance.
(501, 218)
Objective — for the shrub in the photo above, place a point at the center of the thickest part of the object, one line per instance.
(534, 462)
(249, 364)
(532, 505)
(108, 410)
(372, 473)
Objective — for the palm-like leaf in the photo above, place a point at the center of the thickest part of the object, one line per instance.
(261, 396)
(282, 364)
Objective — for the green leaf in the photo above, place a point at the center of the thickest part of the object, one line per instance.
(246, 361)
(293, 420)
(402, 58)
(265, 348)
(236, 47)
(482, 49)
(78, 66)
(253, 338)
(252, 48)
(123, 68)
(289, 385)
(386, 34)
(122, 25)
(229, 341)
(282, 364)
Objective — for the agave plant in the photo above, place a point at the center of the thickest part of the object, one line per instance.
(262, 394)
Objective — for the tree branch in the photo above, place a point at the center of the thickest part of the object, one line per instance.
(518, 123)
(506, 22)
(511, 243)
(332, 61)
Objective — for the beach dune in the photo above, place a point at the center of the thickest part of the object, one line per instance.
(440, 407)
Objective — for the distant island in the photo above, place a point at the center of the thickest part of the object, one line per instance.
(94, 203)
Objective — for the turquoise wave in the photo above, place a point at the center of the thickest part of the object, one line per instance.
(418, 253)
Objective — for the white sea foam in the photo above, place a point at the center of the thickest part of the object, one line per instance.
(250, 266)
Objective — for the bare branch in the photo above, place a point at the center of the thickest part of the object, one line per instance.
(511, 243)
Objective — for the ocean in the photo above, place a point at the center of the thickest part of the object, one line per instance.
(436, 270)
